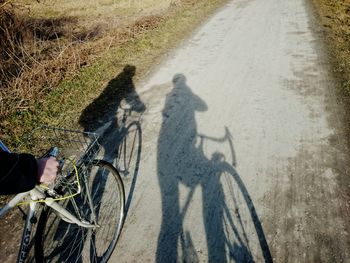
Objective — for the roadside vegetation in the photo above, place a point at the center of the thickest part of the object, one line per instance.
(335, 18)
(57, 56)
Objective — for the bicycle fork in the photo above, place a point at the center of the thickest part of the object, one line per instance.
(30, 220)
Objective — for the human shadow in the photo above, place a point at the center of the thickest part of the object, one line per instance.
(104, 108)
(182, 161)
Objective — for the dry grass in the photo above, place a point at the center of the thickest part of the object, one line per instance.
(56, 54)
(335, 17)
(95, 9)
(39, 50)
(67, 50)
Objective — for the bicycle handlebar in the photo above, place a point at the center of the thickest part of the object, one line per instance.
(52, 152)
(227, 137)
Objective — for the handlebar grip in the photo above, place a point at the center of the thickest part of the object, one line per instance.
(53, 152)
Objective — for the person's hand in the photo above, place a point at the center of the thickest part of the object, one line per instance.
(47, 169)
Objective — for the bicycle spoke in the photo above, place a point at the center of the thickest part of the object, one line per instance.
(101, 200)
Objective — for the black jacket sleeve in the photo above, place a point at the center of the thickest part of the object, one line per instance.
(18, 172)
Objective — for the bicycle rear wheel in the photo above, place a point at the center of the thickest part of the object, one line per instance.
(59, 241)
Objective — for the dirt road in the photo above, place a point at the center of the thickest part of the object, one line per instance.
(241, 155)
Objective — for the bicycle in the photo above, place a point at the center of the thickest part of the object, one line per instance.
(83, 211)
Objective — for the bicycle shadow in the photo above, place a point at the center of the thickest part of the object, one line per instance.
(226, 204)
(115, 129)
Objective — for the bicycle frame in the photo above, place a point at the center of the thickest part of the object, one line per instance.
(35, 195)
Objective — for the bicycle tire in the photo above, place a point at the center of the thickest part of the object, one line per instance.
(58, 241)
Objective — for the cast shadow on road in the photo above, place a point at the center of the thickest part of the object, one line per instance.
(226, 204)
(105, 107)
(115, 115)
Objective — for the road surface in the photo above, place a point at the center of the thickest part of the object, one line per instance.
(241, 157)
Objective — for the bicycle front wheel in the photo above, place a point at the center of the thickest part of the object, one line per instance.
(101, 203)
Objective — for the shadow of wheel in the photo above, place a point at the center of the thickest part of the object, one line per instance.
(128, 158)
(242, 225)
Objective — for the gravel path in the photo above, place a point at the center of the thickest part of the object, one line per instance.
(241, 158)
